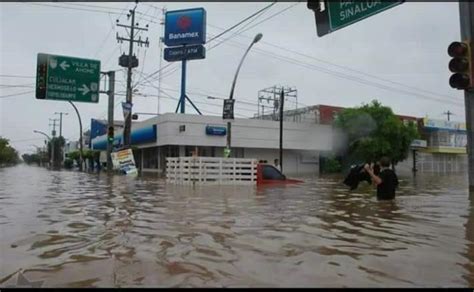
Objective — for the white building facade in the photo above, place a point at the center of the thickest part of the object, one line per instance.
(173, 135)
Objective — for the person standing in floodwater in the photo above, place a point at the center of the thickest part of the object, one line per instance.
(386, 181)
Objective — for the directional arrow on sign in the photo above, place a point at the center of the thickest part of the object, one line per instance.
(64, 65)
(84, 89)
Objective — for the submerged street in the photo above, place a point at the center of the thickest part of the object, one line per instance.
(72, 229)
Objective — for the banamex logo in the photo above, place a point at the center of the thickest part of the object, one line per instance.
(184, 22)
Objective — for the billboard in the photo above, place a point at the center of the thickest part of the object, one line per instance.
(124, 161)
(185, 27)
(445, 125)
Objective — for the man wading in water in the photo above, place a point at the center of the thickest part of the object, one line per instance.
(386, 181)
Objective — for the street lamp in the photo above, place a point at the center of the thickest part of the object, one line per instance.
(52, 146)
(255, 40)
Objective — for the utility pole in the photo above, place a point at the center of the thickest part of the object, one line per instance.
(282, 101)
(271, 94)
(80, 135)
(466, 18)
(448, 113)
(130, 62)
(162, 23)
(53, 142)
(110, 116)
(61, 122)
(54, 126)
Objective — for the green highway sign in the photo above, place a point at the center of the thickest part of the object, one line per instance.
(333, 15)
(67, 78)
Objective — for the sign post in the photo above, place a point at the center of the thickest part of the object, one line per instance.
(185, 34)
(334, 15)
(67, 78)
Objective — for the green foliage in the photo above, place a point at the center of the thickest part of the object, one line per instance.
(68, 163)
(374, 130)
(74, 155)
(8, 155)
(58, 143)
(31, 158)
(331, 165)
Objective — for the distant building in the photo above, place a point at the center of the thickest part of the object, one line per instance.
(319, 114)
(173, 135)
(446, 145)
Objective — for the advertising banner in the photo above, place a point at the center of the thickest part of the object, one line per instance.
(124, 161)
(185, 27)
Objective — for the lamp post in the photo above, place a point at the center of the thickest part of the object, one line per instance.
(51, 142)
(257, 38)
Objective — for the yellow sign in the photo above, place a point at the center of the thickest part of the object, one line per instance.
(124, 161)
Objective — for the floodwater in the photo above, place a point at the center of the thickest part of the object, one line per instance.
(70, 229)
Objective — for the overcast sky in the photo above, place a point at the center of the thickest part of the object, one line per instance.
(405, 47)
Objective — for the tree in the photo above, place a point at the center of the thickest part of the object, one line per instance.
(374, 131)
(8, 155)
(58, 143)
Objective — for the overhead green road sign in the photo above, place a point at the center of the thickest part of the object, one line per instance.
(333, 15)
(67, 78)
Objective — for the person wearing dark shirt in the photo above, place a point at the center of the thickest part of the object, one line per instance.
(386, 181)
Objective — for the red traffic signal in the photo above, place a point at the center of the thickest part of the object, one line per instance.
(457, 49)
(460, 65)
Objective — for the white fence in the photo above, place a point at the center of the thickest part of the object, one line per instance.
(211, 170)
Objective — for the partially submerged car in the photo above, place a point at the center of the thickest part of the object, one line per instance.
(268, 174)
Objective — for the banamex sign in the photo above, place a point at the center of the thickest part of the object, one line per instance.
(185, 27)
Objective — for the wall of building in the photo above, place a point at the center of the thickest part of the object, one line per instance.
(295, 163)
(246, 133)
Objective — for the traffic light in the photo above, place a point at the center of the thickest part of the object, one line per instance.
(460, 65)
(110, 134)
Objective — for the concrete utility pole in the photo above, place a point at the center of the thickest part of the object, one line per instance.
(466, 17)
(61, 122)
(53, 142)
(130, 62)
(449, 114)
(282, 102)
(162, 24)
(110, 116)
(80, 135)
(50, 141)
(54, 126)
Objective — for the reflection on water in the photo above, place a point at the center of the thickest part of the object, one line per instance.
(74, 229)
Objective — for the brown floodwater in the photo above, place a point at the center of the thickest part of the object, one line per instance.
(71, 229)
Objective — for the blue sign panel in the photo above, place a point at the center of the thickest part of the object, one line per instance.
(216, 131)
(98, 128)
(138, 136)
(185, 27)
(185, 53)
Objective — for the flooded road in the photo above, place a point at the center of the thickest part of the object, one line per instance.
(71, 229)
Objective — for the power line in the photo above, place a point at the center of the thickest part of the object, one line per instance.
(165, 74)
(242, 21)
(16, 76)
(17, 94)
(17, 85)
(266, 19)
(217, 36)
(110, 31)
(72, 8)
(337, 65)
(93, 6)
(342, 75)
